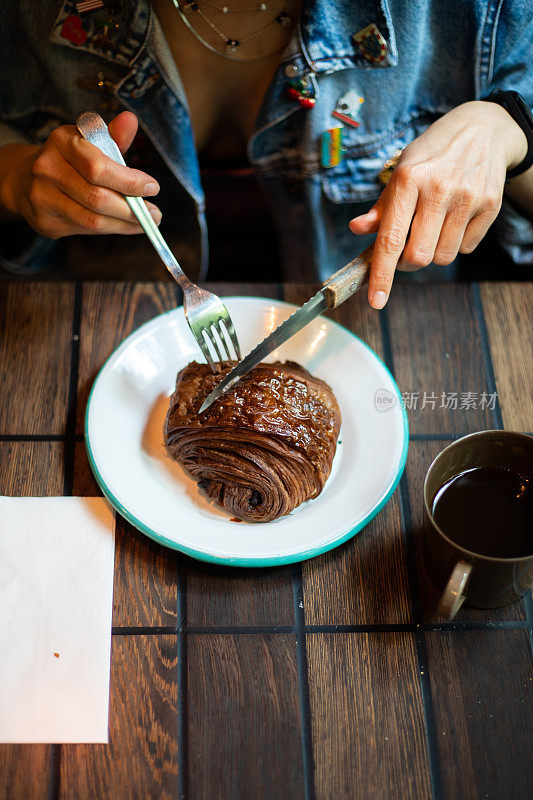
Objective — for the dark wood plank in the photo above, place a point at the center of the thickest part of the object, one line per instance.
(243, 710)
(146, 574)
(141, 759)
(24, 771)
(28, 469)
(436, 348)
(222, 596)
(31, 469)
(507, 308)
(367, 720)
(84, 484)
(364, 582)
(420, 456)
(35, 350)
(110, 312)
(482, 695)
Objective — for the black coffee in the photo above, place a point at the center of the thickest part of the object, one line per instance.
(488, 510)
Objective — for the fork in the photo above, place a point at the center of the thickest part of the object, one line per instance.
(206, 314)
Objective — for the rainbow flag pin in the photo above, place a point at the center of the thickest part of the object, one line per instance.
(332, 147)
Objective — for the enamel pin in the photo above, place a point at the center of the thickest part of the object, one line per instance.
(332, 148)
(348, 108)
(88, 5)
(302, 90)
(73, 30)
(371, 43)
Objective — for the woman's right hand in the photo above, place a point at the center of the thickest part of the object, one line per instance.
(68, 186)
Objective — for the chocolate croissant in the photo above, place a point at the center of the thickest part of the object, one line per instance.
(262, 448)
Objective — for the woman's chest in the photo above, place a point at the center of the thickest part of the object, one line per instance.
(224, 100)
(224, 96)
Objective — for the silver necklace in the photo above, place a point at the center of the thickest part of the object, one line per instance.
(227, 10)
(232, 44)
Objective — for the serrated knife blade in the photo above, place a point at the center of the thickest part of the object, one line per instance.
(340, 286)
(298, 320)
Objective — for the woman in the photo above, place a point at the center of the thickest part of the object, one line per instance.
(280, 82)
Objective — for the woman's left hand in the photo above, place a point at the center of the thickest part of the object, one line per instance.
(444, 194)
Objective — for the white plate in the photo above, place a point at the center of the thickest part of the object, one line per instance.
(124, 439)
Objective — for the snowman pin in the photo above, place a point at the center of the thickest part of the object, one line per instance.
(348, 108)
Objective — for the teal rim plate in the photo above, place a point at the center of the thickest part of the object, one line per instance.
(124, 440)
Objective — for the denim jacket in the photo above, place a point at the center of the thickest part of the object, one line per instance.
(435, 56)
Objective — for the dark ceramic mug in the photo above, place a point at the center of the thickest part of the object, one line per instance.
(479, 580)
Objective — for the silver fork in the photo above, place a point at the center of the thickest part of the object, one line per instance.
(206, 314)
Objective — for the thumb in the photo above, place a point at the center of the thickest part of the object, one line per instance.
(123, 129)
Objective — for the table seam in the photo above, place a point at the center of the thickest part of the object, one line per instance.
(434, 773)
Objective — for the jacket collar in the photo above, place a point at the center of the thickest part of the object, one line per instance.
(87, 31)
(326, 32)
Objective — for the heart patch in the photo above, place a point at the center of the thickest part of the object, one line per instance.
(73, 31)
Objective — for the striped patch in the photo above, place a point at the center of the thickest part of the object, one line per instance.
(88, 5)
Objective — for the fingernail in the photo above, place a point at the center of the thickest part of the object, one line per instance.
(156, 214)
(379, 299)
(151, 188)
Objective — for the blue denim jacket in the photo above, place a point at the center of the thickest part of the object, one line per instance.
(437, 55)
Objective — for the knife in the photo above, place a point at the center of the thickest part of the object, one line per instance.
(338, 288)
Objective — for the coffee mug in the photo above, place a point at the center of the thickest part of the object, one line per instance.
(482, 581)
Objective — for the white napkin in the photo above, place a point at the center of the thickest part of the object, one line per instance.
(56, 595)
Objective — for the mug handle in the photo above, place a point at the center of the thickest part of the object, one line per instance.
(453, 595)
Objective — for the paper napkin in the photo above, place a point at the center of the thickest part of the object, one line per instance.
(56, 594)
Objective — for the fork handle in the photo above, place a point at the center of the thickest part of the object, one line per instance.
(93, 128)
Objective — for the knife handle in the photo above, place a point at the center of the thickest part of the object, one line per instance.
(349, 279)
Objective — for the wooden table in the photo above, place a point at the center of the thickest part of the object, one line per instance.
(328, 679)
